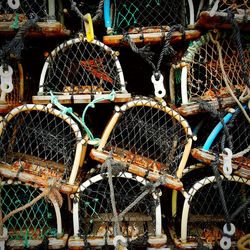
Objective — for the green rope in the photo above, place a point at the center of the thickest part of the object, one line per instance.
(26, 239)
(15, 24)
(65, 110)
(194, 47)
(92, 140)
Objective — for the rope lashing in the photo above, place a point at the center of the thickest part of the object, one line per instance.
(68, 110)
(157, 78)
(92, 139)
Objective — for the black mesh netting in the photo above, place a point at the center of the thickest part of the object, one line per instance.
(148, 135)
(146, 13)
(82, 68)
(239, 135)
(96, 214)
(37, 141)
(206, 217)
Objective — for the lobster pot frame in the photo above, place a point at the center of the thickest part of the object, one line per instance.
(239, 131)
(93, 214)
(77, 70)
(41, 145)
(145, 21)
(203, 218)
(150, 138)
(199, 76)
(29, 227)
(12, 94)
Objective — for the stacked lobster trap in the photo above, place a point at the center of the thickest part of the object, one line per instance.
(41, 153)
(172, 162)
(13, 14)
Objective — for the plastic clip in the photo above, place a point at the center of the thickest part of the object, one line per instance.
(88, 24)
(225, 242)
(6, 81)
(14, 4)
(158, 86)
(227, 161)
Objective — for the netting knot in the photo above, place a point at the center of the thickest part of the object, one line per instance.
(116, 167)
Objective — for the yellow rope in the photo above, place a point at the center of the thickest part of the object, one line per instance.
(244, 242)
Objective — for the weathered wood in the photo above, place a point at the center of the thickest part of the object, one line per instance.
(68, 99)
(193, 108)
(132, 217)
(45, 29)
(220, 21)
(240, 165)
(45, 181)
(170, 181)
(54, 243)
(152, 37)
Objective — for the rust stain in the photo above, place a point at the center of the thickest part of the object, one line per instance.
(96, 68)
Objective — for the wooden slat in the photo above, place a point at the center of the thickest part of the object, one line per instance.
(45, 29)
(152, 38)
(69, 99)
(220, 21)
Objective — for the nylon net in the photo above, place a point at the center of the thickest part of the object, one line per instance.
(239, 131)
(204, 76)
(96, 214)
(17, 94)
(27, 9)
(234, 5)
(238, 141)
(38, 142)
(206, 217)
(147, 136)
(32, 223)
(143, 14)
(81, 67)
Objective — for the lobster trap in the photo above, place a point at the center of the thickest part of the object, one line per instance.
(41, 145)
(13, 13)
(202, 217)
(12, 85)
(220, 14)
(29, 223)
(78, 70)
(150, 138)
(235, 142)
(145, 21)
(94, 221)
(200, 77)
